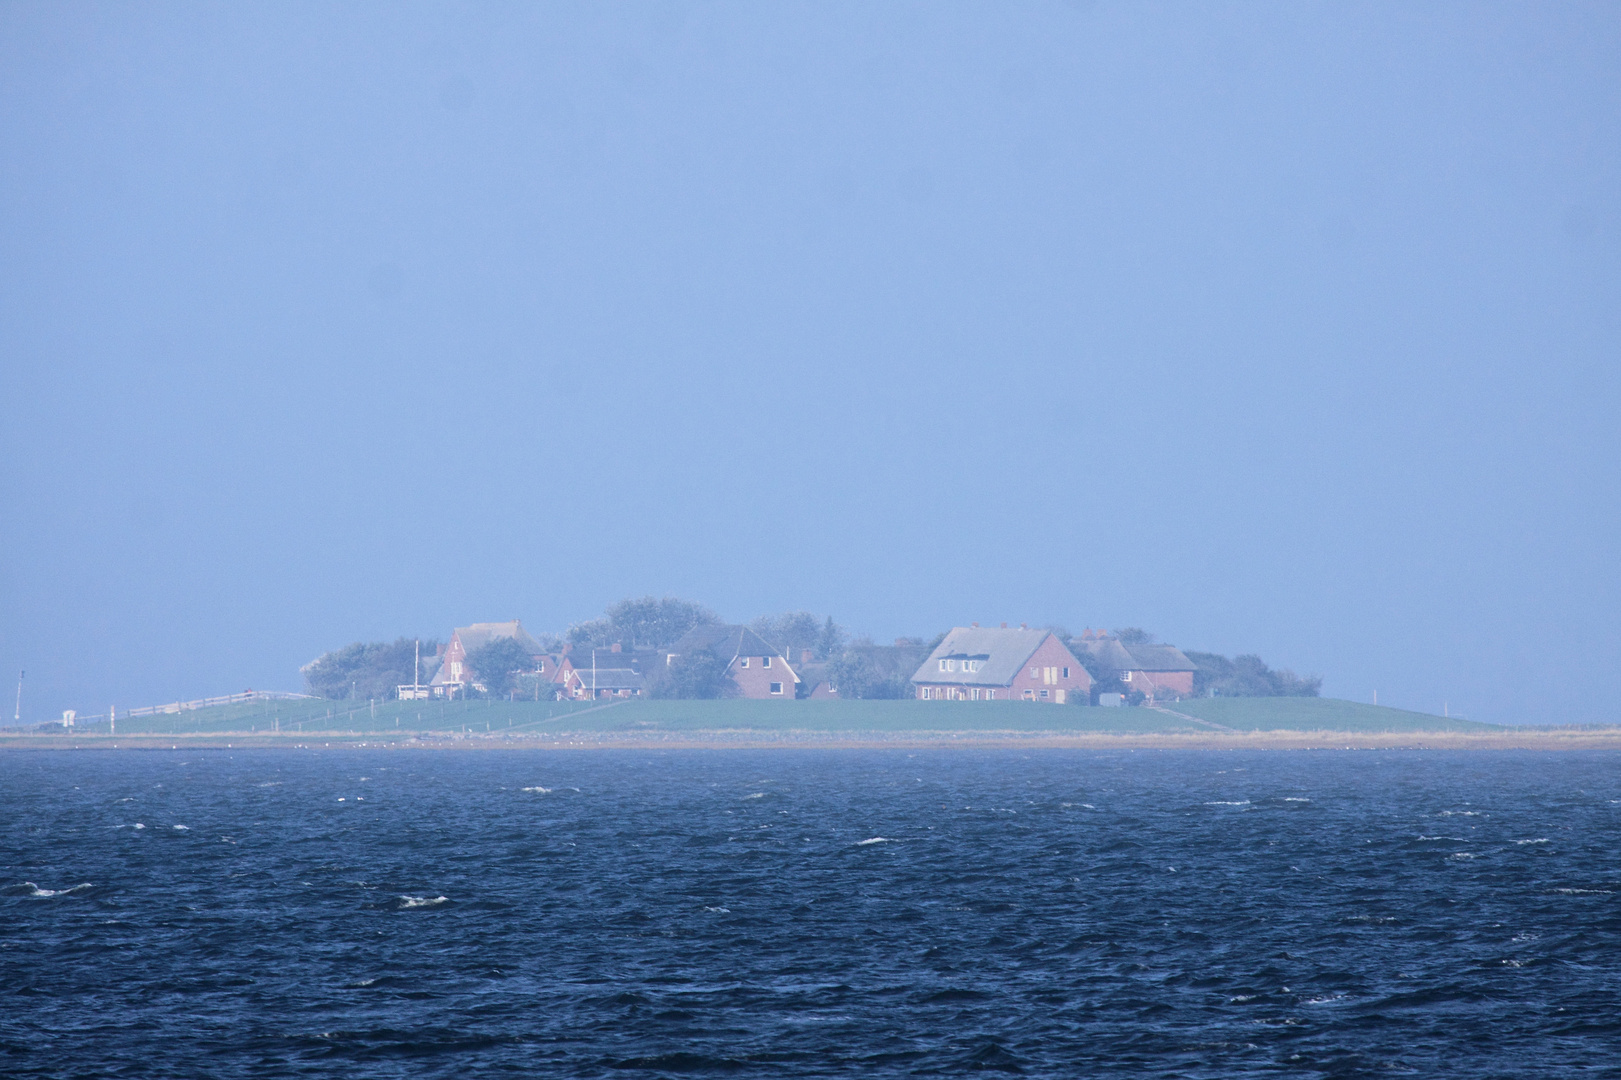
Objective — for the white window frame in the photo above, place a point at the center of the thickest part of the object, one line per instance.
(775, 688)
(743, 661)
(765, 661)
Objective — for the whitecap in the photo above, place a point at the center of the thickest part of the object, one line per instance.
(1539, 840)
(1459, 813)
(35, 890)
(1462, 855)
(271, 783)
(183, 828)
(1585, 892)
(719, 910)
(1288, 798)
(874, 840)
(423, 901)
(756, 795)
(1243, 802)
(538, 790)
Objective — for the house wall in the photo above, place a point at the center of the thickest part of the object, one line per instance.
(755, 680)
(1162, 683)
(1041, 678)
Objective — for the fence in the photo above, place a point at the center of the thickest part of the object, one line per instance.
(204, 703)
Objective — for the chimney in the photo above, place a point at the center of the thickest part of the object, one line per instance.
(1022, 626)
(804, 656)
(615, 647)
(1004, 626)
(975, 625)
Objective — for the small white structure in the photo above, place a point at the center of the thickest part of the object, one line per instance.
(68, 716)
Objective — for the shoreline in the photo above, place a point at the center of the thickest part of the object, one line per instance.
(1553, 739)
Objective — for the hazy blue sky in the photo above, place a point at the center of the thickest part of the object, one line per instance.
(1288, 328)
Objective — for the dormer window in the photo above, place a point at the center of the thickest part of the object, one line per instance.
(948, 665)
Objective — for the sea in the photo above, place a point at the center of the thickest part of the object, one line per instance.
(799, 912)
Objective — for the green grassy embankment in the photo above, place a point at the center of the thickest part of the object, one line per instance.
(1319, 714)
(732, 719)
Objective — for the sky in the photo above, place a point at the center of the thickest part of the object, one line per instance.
(1278, 328)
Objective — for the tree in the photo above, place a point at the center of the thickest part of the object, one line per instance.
(795, 631)
(830, 641)
(651, 622)
(698, 674)
(495, 662)
(1134, 635)
(1247, 676)
(365, 669)
(858, 674)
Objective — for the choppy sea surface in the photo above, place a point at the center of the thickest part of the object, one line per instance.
(810, 913)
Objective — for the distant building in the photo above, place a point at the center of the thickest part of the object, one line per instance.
(589, 674)
(975, 664)
(454, 676)
(760, 669)
(1156, 671)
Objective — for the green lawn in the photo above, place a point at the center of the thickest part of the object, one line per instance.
(872, 716)
(1318, 714)
(406, 718)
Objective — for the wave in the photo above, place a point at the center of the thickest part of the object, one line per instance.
(183, 828)
(538, 790)
(1538, 840)
(1288, 798)
(756, 795)
(874, 840)
(35, 890)
(1242, 802)
(422, 901)
(1585, 892)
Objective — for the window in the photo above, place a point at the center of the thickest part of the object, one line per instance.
(990, 695)
(948, 665)
(1044, 695)
(1029, 695)
(1066, 673)
(1125, 676)
(776, 688)
(744, 662)
(765, 661)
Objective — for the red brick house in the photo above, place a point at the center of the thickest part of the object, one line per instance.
(454, 676)
(760, 669)
(975, 664)
(1156, 671)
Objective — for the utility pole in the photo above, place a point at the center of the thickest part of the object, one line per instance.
(416, 671)
(18, 715)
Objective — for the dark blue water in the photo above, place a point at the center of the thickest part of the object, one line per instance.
(800, 913)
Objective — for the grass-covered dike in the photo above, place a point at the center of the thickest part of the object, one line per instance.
(411, 720)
